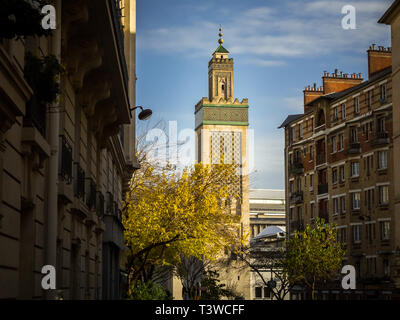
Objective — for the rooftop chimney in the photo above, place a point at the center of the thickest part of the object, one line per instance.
(378, 59)
(340, 81)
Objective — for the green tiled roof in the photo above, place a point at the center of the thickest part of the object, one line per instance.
(221, 49)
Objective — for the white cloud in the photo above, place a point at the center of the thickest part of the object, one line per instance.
(264, 63)
(262, 34)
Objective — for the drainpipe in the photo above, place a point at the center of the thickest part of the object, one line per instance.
(52, 180)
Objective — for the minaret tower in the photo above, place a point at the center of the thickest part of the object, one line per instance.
(221, 124)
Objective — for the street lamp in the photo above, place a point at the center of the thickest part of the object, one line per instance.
(144, 114)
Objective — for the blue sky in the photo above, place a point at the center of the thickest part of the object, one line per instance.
(279, 47)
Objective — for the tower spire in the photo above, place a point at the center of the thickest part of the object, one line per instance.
(220, 40)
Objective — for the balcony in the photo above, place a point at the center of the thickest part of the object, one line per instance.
(381, 138)
(321, 158)
(323, 188)
(94, 54)
(79, 189)
(296, 197)
(90, 193)
(65, 161)
(296, 168)
(354, 148)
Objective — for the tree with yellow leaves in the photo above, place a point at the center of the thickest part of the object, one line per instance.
(169, 214)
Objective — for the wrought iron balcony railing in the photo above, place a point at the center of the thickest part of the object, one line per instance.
(381, 137)
(65, 168)
(296, 197)
(296, 167)
(354, 148)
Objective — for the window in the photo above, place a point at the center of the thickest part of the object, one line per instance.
(311, 181)
(385, 230)
(368, 164)
(356, 234)
(353, 135)
(370, 231)
(366, 132)
(300, 130)
(381, 124)
(370, 94)
(312, 210)
(343, 111)
(355, 200)
(382, 159)
(371, 265)
(267, 292)
(291, 186)
(334, 176)
(258, 292)
(335, 206)
(341, 173)
(299, 184)
(341, 141)
(291, 134)
(343, 234)
(291, 210)
(357, 105)
(383, 195)
(334, 145)
(342, 204)
(369, 198)
(335, 114)
(311, 153)
(383, 92)
(355, 169)
(386, 267)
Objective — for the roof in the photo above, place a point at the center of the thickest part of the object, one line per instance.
(270, 232)
(390, 13)
(338, 95)
(267, 194)
(221, 49)
(289, 119)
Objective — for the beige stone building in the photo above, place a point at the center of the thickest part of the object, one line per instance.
(267, 208)
(392, 18)
(64, 165)
(339, 167)
(221, 124)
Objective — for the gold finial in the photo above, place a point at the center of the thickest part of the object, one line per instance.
(220, 40)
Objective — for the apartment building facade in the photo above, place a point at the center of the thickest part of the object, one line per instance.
(64, 165)
(339, 167)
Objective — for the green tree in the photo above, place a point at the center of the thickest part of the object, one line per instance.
(314, 256)
(148, 291)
